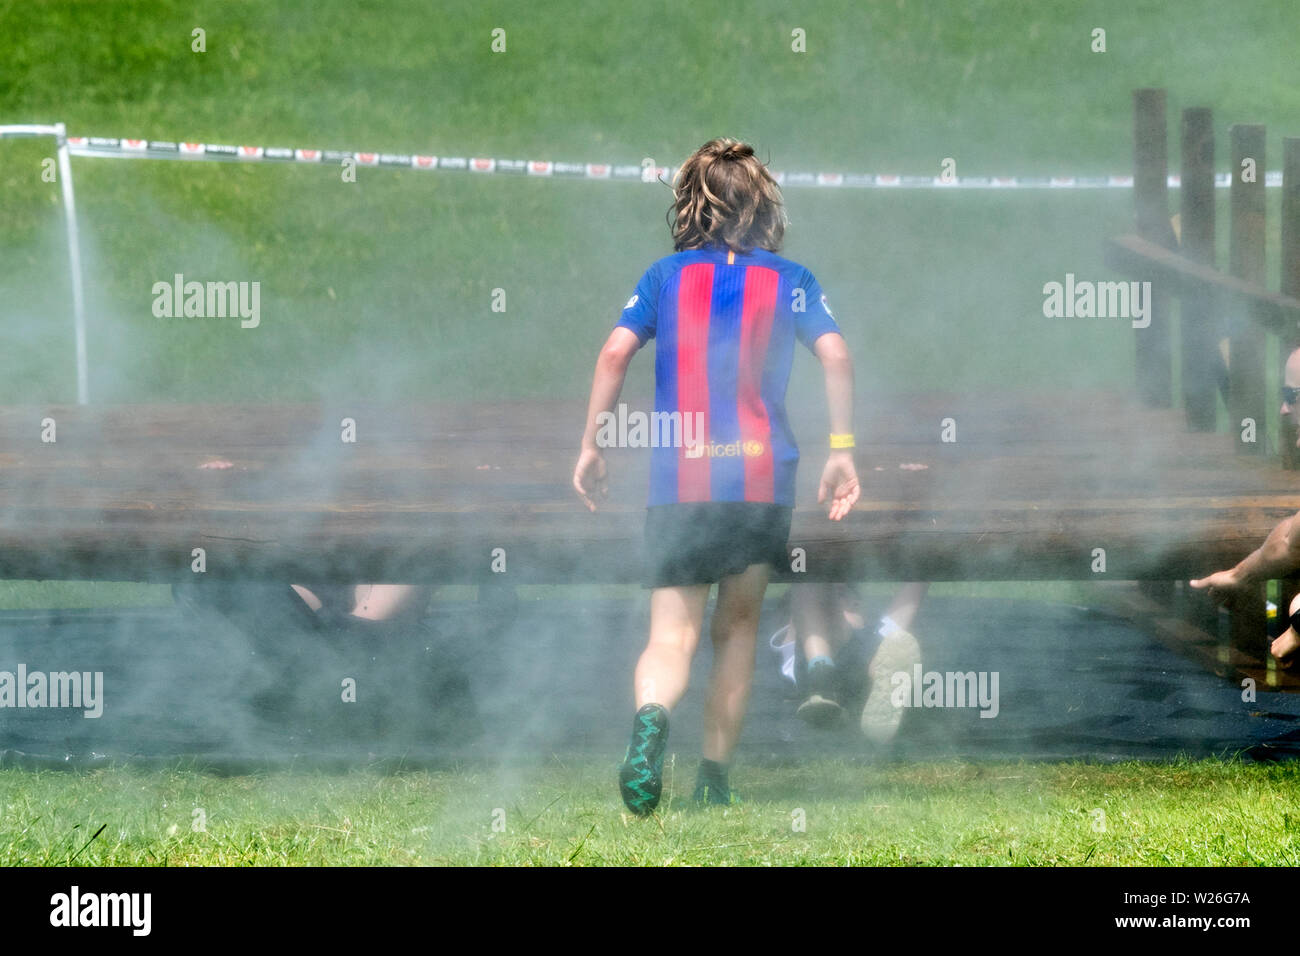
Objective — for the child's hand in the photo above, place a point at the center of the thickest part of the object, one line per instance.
(840, 483)
(589, 477)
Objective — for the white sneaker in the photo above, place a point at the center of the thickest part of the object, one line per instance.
(898, 651)
(783, 644)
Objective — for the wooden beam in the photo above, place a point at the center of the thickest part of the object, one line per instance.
(1032, 488)
(998, 542)
(1142, 259)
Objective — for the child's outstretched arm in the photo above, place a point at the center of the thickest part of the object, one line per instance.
(611, 368)
(840, 477)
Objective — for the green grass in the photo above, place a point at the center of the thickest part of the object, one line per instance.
(1202, 813)
(28, 595)
(383, 287)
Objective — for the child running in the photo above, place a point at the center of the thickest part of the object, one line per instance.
(726, 311)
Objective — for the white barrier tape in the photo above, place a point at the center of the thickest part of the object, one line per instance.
(159, 149)
(31, 129)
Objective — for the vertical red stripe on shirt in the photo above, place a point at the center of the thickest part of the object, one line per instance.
(757, 309)
(694, 305)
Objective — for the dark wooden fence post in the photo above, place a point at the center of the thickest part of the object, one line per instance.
(1199, 325)
(1153, 354)
(1248, 624)
(1290, 285)
(1246, 261)
(1291, 217)
(1286, 592)
(1290, 271)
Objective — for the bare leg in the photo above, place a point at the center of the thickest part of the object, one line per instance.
(1288, 642)
(898, 651)
(735, 634)
(815, 625)
(377, 602)
(820, 628)
(902, 611)
(664, 670)
(308, 598)
(385, 602)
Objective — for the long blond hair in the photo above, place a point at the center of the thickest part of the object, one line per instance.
(723, 195)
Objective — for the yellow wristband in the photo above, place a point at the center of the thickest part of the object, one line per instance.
(842, 441)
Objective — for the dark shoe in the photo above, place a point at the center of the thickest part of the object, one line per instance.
(715, 794)
(819, 707)
(712, 787)
(819, 711)
(640, 776)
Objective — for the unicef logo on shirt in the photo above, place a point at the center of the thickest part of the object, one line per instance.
(750, 449)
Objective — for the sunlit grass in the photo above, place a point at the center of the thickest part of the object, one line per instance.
(1202, 813)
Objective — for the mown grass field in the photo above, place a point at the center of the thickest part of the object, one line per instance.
(567, 813)
(382, 289)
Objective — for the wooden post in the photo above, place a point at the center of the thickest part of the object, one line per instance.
(1246, 260)
(1287, 589)
(1291, 217)
(1290, 271)
(1249, 623)
(1152, 349)
(1199, 324)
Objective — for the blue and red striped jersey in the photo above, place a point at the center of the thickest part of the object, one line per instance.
(726, 325)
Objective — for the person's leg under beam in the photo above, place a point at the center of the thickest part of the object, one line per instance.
(735, 635)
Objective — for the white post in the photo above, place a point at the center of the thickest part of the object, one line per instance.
(60, 134)
(74, 259)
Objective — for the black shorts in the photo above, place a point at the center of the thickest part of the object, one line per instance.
(701, 543)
